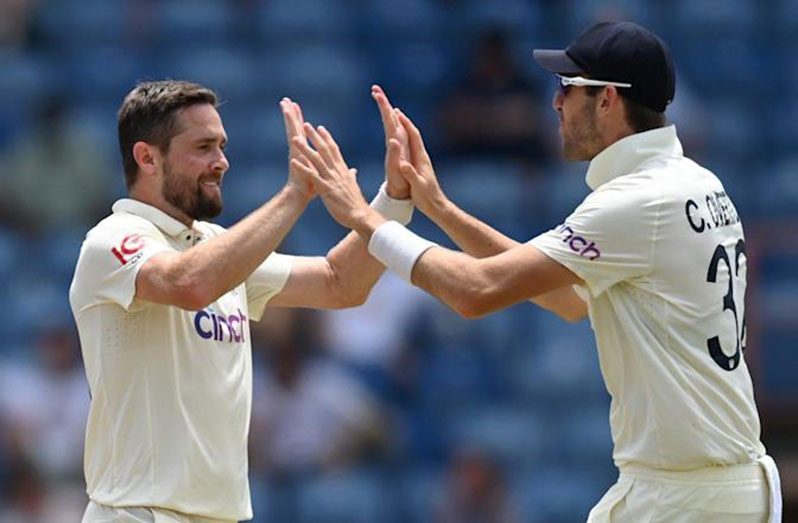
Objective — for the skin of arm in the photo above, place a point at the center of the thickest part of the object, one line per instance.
(473, 236)
(480, 240)
(195, 278)
(471, 286)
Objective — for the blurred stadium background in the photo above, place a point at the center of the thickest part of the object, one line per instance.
(398, 411)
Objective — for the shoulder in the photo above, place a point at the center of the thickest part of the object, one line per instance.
(119, 225)
(629, 193)
(120, 237)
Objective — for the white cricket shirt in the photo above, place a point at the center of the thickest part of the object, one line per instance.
(171, 389)
(661, 251)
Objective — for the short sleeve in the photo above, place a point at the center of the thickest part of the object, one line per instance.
(609, 238)
(109, 261)
(266, 282)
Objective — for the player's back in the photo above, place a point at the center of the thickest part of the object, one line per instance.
(671, 340)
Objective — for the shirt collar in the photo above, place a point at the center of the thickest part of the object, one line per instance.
(625, 155)
(163, 221)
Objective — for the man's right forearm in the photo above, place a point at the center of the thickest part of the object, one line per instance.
(470, 234)
(224, 262)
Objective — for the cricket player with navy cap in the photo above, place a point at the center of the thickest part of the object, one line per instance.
(655, 255)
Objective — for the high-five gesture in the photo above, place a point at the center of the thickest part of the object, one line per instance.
(396, 145)
(418, 171)
(332, 178)
(294, 129)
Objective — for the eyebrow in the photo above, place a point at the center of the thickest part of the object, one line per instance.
(210, 139)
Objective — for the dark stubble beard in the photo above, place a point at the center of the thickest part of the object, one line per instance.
(583, 142)
(190, 200)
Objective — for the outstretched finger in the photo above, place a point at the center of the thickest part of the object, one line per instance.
(389, 120)
(300, 119)
(331, 143)
(393, 157)
(418, 152)
(311, 155)
(320, 144)
(409, 173)
(291, 125)
(285, 108)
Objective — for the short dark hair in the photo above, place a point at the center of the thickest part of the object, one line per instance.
(149, 113)
(639, 117)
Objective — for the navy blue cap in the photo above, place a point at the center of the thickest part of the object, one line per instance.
(619, 52)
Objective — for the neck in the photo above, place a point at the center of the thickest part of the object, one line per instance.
(614, 132)
(156, 199)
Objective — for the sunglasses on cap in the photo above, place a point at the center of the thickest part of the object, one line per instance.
(565, 82)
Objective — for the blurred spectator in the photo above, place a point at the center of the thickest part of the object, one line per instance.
(15, 19)
(24, 496)
(495, 111)
(476, 491)
(309, 415)
(30, 498)
(55, 177)
(46, 403)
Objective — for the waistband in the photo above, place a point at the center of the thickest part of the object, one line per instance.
(763, 469)
(730, 473)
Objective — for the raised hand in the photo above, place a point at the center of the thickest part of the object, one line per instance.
(418, 171)
(396, 145)
(294, 130)
(332, 178)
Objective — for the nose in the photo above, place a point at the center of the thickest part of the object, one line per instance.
(220, 163)
(556, 102)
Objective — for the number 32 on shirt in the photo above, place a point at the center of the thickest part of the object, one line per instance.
(732, 262)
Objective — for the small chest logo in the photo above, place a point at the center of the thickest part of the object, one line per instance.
(210, 325)
(579, 244)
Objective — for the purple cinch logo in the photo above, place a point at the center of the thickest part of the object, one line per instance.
(578, 244)
(210, 325)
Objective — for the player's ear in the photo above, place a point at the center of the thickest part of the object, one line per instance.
(609, 100)
(607, 96)
(145, 156)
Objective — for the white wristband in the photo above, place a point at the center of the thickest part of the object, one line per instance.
(391, 208)
(398, 248)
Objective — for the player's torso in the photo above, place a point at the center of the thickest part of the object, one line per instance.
(172, 394)
(674, 359)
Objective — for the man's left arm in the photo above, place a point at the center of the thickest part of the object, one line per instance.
(346, 275)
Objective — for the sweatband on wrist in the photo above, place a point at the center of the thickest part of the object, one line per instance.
(392, 208)
(398, 248)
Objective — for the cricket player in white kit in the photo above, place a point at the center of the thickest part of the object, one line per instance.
(655, 255)
(163, 300)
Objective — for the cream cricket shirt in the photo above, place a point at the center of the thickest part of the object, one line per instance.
(171, 389)
(661, 250)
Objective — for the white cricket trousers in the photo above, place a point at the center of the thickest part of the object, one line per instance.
(748, 493)
(97, 513)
